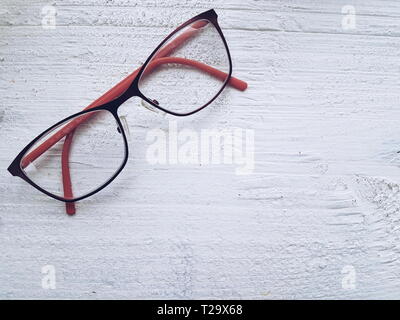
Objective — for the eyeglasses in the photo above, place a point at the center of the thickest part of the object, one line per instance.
(80, 155)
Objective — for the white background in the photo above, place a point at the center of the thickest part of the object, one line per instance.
(324, 104)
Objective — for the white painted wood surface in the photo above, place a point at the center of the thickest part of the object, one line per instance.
(324, 104)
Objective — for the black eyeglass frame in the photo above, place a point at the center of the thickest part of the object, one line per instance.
(112, 106)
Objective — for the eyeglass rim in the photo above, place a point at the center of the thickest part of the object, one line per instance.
(212, 17)
(16, 170)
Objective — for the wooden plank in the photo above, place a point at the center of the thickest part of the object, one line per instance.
(323, 104)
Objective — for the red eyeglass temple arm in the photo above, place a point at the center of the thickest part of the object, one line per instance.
(113, 93)
(66, 176)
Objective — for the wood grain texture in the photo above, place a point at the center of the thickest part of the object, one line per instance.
(323, 103)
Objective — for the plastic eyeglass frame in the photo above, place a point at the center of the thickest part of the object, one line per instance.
(110, 102)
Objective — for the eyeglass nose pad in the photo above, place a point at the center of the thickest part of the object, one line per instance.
(148, 106)
(125, 126)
